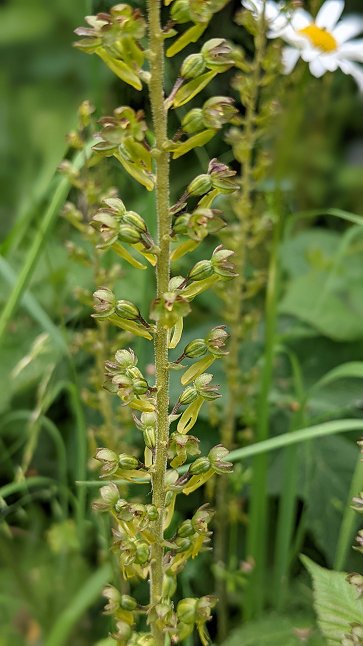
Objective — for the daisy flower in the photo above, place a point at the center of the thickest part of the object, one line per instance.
(276, 15)
(325, 43)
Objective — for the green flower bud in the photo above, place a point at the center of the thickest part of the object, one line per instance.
(203, 388)
(115, 205)
(200, 185)
(140, 386)
(217, 457)
(152, 512)
(186, 610)
(182, 544)
(221, 264)
(127, 310)
(107, 226)
(110, 494)
(217, 52)
(169, 586)
(113, 599)
(216, 340)
(150, 437)
(201, 270)
(188, 395)
(135, 220)
(127, 461)
(193, 121)
(199, 466)
(126, 358)
(357, 580)
(127, 602)
(123, 632)
(186, 529)
(218, 110)
(180, 11)
(180, 226)
(195, 349)
(109, 461)
(123, 511)
(192, 66)
(142, 553)
(358, 502)
(104, 302)
(128, 233)
(85, 110)
(202, 518)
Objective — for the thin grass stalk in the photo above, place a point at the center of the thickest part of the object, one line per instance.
(349, 520)
(257, 526)
(288, 499)
(34, 253)
(159, 114)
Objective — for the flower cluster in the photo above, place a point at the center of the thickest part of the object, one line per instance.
(172, 463)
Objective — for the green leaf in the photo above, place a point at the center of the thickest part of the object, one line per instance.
(275, 631)
(191, 35)
(188, 91)
(326, 289)
(350, 370)
(335, 602)
(326, 468)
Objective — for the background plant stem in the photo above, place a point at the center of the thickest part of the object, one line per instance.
(159, 114)
(243, 210)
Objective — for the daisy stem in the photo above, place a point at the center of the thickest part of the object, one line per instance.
(156, 52)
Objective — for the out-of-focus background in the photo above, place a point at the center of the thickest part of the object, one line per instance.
(52, 572)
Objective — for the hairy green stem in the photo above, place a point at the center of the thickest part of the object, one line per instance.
(156, 52)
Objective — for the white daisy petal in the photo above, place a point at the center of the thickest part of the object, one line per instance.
(310, 54)
(331, 62)
(329, 14)
(290, 56)
(301, 19)
(353, 50)
(317, 68)
(348, 28)
(353, 70)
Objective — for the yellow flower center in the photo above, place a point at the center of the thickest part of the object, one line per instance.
(320, 38)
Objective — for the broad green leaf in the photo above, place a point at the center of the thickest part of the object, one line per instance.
(350, 370)
(335, 602)
(326, 286)
(188, 91)
(276, 631)
(191, 35)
